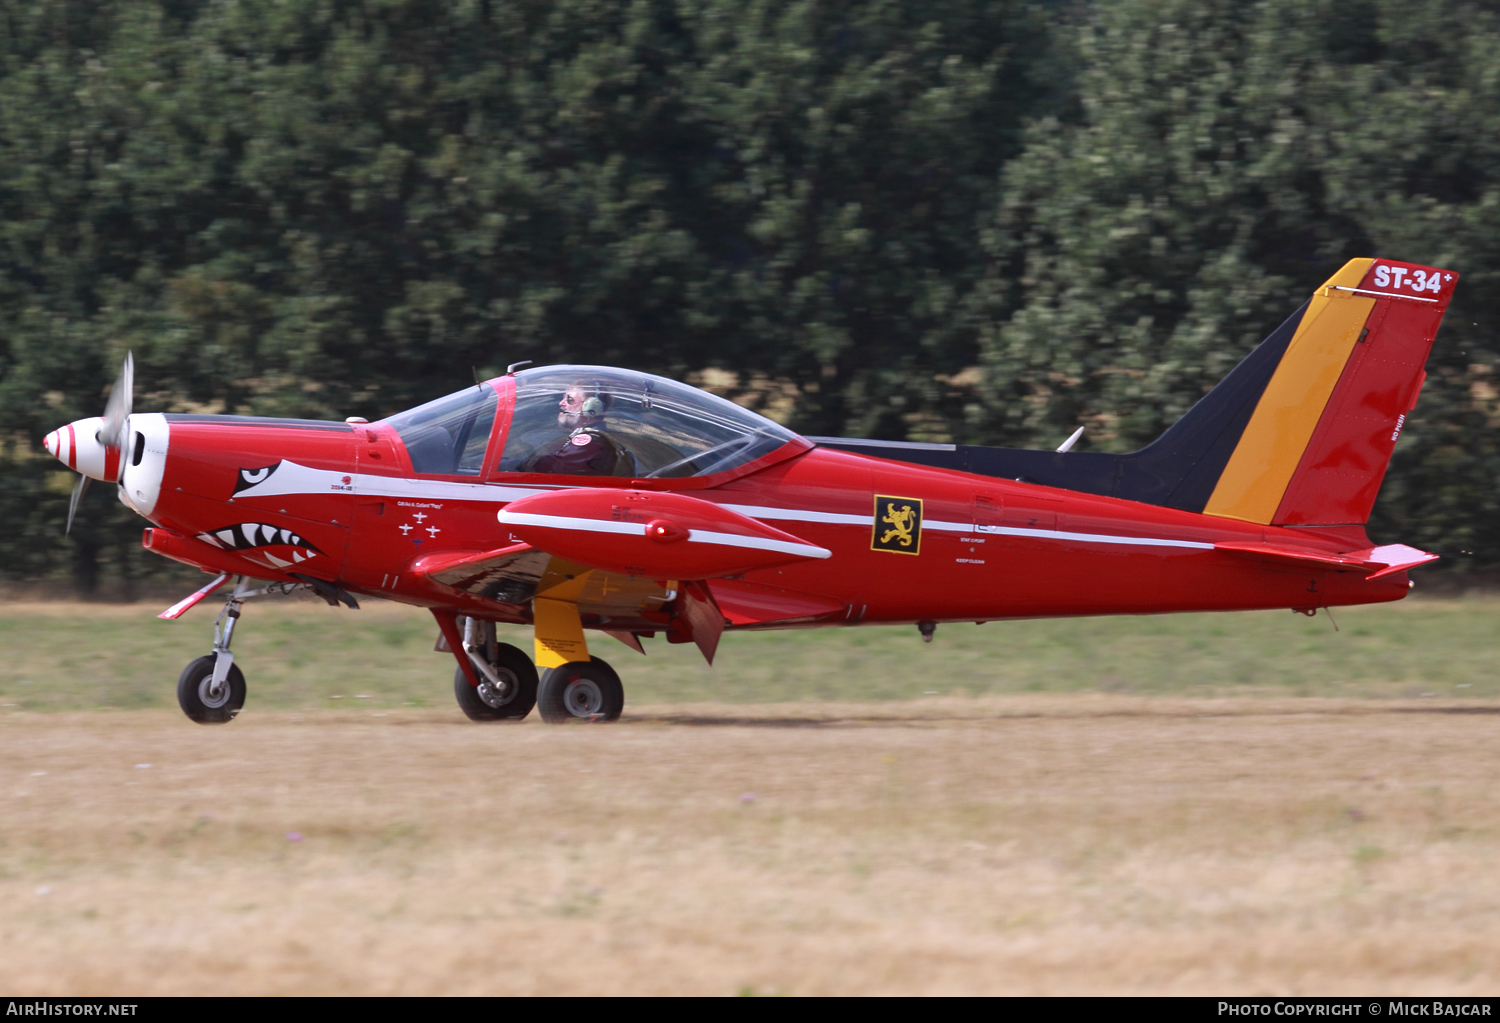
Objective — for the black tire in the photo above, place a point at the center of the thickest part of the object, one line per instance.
(199, 703)
(485, 704)
(581, 691)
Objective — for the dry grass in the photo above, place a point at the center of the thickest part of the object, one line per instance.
(1023, 843)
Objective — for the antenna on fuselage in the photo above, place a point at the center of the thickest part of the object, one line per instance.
(475, 371)
(1067, 444)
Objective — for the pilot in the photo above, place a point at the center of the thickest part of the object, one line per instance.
(586, 450)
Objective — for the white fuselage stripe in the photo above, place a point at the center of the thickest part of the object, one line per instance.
(1059, 534)
(291, 478)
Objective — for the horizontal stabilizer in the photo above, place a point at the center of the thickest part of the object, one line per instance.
(651, 534)
(1375, 561)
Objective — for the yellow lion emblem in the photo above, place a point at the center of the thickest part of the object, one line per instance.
(902, 522)
(897, 526)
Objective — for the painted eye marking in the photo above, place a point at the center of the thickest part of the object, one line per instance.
(251, 477)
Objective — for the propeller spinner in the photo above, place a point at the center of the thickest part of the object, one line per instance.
(92, 447)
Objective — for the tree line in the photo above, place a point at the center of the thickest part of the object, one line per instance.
(984, 221)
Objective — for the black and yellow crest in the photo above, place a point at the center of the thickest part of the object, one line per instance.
(898, 525)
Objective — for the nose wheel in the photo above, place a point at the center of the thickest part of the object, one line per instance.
(205, 700)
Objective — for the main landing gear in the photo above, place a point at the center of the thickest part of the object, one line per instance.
(508, 686)
(581, 691)
(507, 678)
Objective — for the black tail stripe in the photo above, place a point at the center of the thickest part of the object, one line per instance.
(1177, 470)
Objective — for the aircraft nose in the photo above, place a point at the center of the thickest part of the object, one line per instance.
(77, 446)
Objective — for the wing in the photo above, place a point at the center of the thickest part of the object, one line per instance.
(508, 575)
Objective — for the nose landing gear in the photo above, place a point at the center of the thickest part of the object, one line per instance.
(211, 690)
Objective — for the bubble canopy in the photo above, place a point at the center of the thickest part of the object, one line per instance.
(601, 421)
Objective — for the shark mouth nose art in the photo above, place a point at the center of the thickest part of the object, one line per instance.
(252, 538)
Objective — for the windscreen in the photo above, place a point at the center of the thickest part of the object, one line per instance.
(597, 421)
(448, 436)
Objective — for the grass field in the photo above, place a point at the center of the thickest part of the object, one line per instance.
(1245, 804)
(305, 655)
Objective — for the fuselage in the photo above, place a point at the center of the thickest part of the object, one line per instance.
(345, 503)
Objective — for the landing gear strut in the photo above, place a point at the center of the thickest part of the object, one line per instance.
(211, 690)
(507, 678)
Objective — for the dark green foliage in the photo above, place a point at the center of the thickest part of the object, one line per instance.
(335, 208)
(973, 219)
(1229, 157)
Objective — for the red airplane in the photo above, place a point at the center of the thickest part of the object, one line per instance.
(573, 498)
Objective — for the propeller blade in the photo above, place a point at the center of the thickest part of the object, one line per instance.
(120, 399)
(78, 489)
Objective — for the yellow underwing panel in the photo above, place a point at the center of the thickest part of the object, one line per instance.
(559, 633)
(562, 580)
(1271, 447)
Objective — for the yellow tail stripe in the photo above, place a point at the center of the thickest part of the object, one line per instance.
(1261, 467)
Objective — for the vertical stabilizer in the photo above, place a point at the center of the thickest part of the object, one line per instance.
(1317, 446)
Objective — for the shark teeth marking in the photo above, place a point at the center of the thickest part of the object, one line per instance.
(246, 536)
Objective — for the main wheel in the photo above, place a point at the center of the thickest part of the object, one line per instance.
(581, 691)
(512, 700)
(198, 698)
